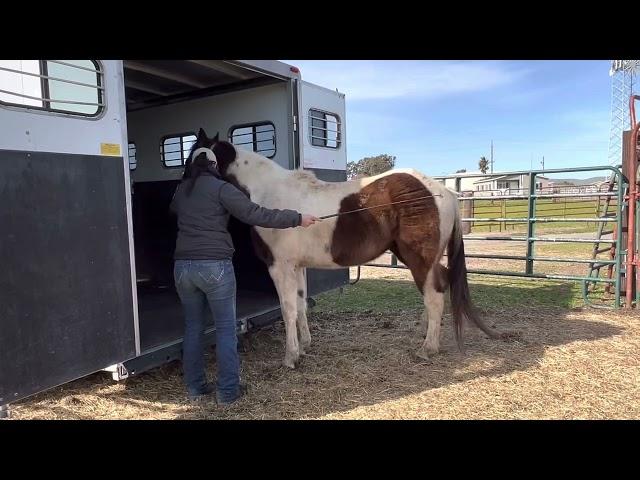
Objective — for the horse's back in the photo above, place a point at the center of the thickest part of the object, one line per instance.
(445, 199)
(435, 187)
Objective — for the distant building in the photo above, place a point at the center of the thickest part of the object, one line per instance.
(494, 185)
(567, 186)
(508, 185)
(500, 184)
(462, 184)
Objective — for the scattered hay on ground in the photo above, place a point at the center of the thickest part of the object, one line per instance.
(568, 363)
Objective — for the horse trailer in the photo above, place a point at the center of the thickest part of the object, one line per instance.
(91, 152)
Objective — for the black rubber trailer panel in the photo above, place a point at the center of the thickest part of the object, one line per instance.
(65, 273)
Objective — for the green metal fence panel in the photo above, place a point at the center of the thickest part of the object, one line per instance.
(614, 200)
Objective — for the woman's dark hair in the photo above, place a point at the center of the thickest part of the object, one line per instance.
(196, 167)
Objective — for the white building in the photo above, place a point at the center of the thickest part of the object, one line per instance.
(508, 185)
(494, 184)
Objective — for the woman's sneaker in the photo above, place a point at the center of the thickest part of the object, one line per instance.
(207, 390)
(242, 390)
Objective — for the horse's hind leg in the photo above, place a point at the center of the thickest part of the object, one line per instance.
(417, 266)
(303, 326)
(434, 305)
(285, 279)
(431, 281)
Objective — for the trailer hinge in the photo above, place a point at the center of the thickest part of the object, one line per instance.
(295, 123)
(118, 371)
(122, 371)
(242, 326)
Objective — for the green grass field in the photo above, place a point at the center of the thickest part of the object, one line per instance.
(378, 296)
(558, 208)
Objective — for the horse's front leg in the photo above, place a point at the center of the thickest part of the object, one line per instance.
(303, 326)
(286, 282)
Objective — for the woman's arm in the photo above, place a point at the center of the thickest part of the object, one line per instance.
(241, 207)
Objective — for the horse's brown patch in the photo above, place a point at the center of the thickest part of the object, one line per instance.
(411, 229)
(414, 261)
(261, 248)
(441, 278)
(225, 156)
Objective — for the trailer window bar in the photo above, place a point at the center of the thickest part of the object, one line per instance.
(182, 143)
(59, 62)
(49, 100)
(47, 77)
(133, 161)
(319, 116)
(246, 136)
(320, 134)
(46, 101)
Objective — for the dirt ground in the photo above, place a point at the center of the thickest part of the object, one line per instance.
(568, 363)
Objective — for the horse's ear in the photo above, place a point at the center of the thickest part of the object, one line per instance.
(216, 139)
(202, 137)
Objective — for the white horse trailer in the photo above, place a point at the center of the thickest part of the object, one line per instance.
(90, 154)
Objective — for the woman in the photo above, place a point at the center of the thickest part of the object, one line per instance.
(203, 270)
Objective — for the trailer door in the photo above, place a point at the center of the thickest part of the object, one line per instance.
(67, 284)
(322, 116)
(322, 137)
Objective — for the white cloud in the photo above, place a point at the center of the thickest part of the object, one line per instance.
(376, 80)
(524, 98)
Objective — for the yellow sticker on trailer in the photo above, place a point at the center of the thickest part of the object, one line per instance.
(110, 149)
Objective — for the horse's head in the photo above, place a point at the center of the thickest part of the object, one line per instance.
(243, 168)
(222, 154)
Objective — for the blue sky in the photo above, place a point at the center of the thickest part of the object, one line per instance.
(440, 116)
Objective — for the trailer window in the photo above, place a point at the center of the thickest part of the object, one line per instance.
(324, 129)
(133, 161)
(65, 86)
(255, 137)
(174, 149)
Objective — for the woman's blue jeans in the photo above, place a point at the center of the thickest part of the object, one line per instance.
(199, 282)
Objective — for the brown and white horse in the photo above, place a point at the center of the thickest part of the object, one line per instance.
(418, 230)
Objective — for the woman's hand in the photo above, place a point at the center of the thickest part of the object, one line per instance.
(308, 220)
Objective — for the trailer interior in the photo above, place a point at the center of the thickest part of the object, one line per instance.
(167, 102)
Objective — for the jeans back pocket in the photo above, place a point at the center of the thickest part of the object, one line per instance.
(212, 272)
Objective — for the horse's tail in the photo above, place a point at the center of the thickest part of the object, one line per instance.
(463, 309)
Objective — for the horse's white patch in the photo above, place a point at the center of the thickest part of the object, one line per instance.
(434, 305)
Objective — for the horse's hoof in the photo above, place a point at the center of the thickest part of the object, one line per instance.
(426, 353)
(290, 361)
(513, 336)
(420, 359)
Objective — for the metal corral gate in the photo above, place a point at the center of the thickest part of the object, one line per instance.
(609, 200)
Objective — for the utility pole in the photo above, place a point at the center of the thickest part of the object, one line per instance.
(542, 162)
(491, 156)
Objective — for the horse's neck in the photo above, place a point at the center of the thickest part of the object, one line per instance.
(268, 179)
